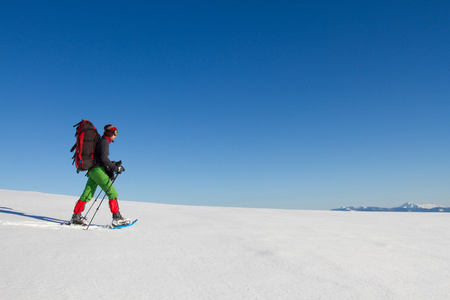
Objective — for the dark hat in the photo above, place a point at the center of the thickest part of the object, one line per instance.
(111, 128)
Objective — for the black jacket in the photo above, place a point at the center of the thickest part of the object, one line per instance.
(101, 154)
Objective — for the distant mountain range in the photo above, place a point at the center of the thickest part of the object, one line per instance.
(408, 206)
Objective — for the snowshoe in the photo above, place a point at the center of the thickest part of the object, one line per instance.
(77, 219)
(118, 220)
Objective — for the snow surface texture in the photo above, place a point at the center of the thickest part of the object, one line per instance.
(187, 252)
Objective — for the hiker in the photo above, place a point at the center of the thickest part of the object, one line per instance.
(100, 175)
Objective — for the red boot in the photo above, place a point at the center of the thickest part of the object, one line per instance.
(79, 207)
(77, 219)
(114, 206)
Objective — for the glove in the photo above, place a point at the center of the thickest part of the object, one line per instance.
(110, 173)
(120, 169)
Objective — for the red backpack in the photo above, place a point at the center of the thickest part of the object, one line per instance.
(87, 138)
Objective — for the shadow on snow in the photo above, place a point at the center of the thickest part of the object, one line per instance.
(7, 210)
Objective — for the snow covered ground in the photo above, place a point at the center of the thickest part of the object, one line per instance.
(184, 252)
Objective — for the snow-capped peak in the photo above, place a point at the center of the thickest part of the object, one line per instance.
(409, 205)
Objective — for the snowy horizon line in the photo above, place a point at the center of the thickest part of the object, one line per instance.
(405, 207)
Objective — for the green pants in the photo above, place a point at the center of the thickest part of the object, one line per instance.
(98, 177)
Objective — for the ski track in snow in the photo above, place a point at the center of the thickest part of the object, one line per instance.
(184, 252)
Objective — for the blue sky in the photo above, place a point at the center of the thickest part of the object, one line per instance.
(280, 104)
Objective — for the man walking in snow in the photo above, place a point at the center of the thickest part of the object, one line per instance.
(98, 176)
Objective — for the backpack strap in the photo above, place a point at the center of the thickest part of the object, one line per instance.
(78, 123)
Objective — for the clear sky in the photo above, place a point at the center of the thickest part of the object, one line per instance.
(280, 104)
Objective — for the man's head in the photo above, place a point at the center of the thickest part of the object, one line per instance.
(110, 131)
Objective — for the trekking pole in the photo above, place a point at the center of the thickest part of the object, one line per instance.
(95, 200)
(102, 200)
